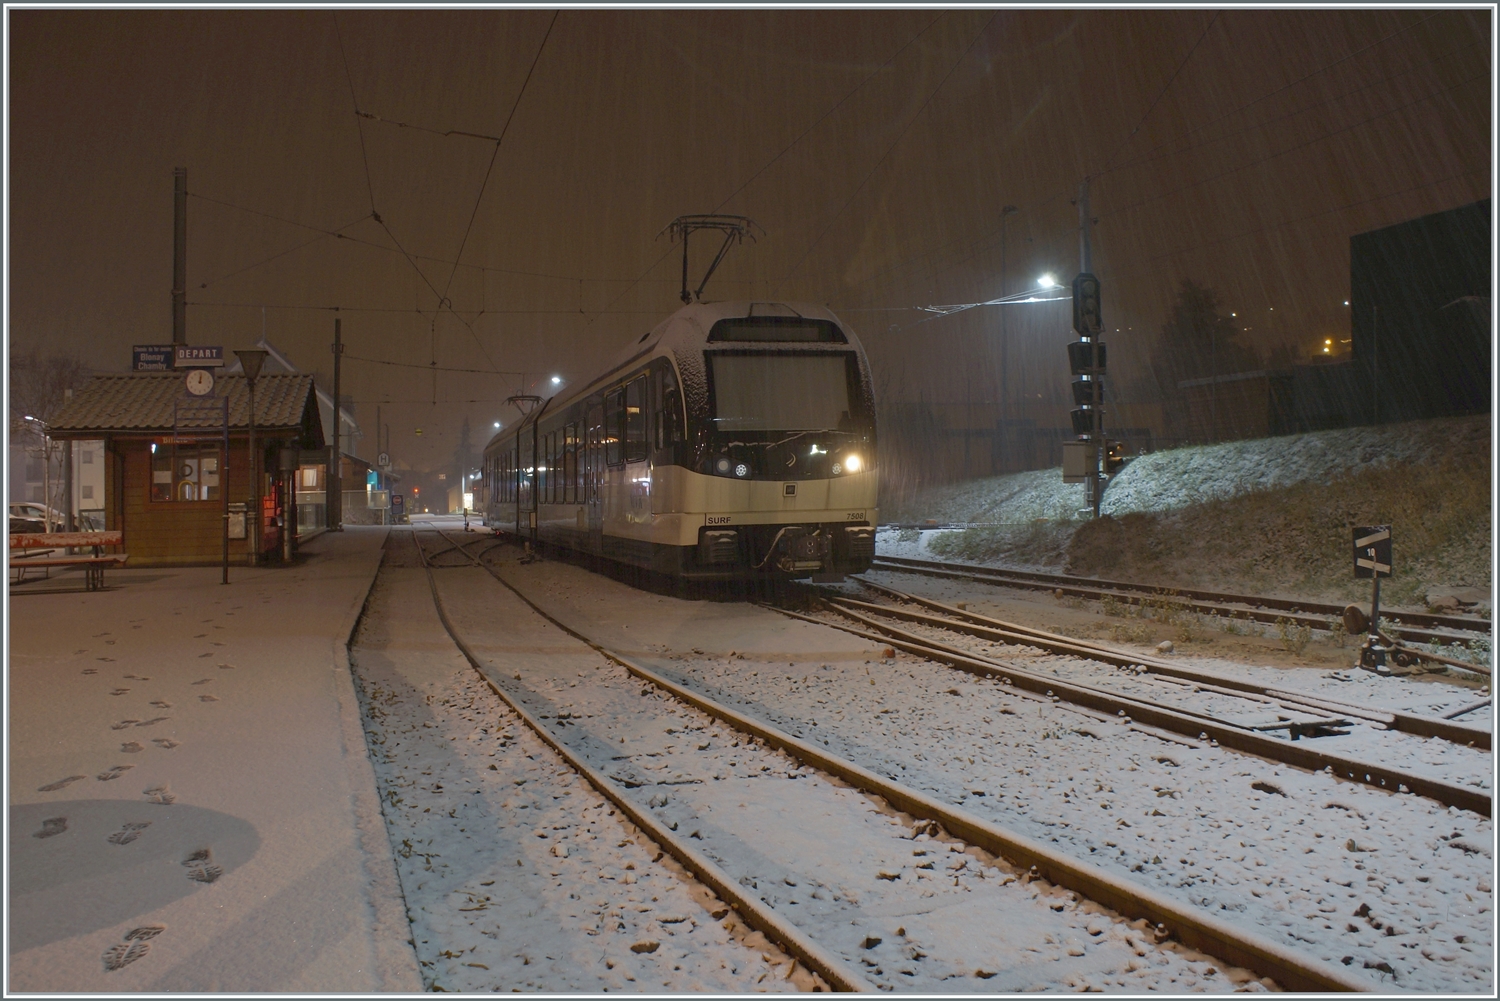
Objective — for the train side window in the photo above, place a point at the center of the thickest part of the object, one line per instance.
(614, 421)
(635, 420)
(570, 464)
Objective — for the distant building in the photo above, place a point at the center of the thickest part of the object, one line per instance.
(366, 488)
(1420, 315)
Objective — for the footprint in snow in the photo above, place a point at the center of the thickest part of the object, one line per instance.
(136, 945)
(162, 705)
(128, 833)
(208, 698)
(123, 724)
(153, 722)
(60, 783)
(114, 772)
(203, 681)
(161, 795)
(200, 866)
(119, 691)
(88, 670)
(51, 827)
(132, 746)
(166, 742)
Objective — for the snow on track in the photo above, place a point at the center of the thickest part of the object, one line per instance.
(1393, 885)
(516, 873)
(914, 911)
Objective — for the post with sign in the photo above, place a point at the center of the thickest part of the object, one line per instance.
(1372, 559)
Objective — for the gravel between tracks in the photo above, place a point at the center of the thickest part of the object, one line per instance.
(1399, 885)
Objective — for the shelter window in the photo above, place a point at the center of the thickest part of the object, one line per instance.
(186, 471)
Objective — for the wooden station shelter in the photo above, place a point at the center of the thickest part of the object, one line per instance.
(166, 474)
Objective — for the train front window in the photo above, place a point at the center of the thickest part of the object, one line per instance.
(780, 392)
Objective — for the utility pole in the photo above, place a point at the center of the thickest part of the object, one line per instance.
(250, 362)
(1005, 408)
(335, 465)
(179, 255)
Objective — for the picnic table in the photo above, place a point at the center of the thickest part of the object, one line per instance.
(39, 551)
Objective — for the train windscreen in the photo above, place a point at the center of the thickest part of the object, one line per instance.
(780, 392)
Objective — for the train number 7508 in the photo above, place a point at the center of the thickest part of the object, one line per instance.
(855, 516)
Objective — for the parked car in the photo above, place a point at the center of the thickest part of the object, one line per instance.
(18, 525)
(91, 522)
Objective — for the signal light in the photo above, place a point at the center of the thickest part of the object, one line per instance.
(1086, 357)
(1083, 392)
(1083, 421)
(1114, 457)
(1087, 317)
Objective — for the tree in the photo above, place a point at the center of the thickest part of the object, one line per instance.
(38, 388)
(1198, 341)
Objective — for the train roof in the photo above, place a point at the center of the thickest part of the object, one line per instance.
(685, 329)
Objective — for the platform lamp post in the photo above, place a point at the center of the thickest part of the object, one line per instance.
(251, 360)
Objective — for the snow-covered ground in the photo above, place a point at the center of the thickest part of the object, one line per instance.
(191, 809)
(1392, 885)
(912, 911)
(1181, 477)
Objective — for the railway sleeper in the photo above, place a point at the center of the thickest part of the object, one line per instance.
(1233, 737)
(1006, 632)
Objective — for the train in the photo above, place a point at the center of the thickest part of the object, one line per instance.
(733, 441)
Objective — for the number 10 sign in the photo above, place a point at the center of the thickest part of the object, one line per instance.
(1372, 551)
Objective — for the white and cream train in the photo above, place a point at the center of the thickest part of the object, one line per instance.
(734, 440)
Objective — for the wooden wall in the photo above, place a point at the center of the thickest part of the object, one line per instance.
(180, 533)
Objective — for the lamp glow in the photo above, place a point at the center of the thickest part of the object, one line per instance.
(852, 463)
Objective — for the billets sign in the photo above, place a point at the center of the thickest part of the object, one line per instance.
(1372, 551)
(151, 357)
(194, 356)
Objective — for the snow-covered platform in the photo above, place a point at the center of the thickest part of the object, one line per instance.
(191, 803)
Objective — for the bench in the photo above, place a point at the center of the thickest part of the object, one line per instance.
(39, 551)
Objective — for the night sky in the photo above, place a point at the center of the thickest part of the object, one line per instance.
(876, 149)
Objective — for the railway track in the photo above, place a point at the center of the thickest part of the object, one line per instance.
(1172, 918)
(1300, 714)
(1418, 627)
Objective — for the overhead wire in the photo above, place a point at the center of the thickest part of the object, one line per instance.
(1165, 87)
(786, 149)
(496, 154)
(442, 299)
(277, 256)
(990, 235)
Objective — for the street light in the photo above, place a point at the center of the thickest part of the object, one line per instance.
(250, 361)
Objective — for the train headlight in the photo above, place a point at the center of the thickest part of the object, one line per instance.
(741, 469)
(852, 463)
(722, 466)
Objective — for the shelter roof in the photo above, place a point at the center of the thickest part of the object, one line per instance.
(157, 402)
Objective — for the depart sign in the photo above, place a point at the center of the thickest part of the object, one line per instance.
(193, 356)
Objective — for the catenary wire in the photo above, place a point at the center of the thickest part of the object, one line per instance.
(496, 154)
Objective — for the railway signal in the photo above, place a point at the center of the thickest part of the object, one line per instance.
(1372, 559)
(1086, 460)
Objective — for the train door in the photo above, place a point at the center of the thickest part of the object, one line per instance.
(593, 474)
(637, 484)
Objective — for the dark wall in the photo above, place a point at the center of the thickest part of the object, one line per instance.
(1427, 352)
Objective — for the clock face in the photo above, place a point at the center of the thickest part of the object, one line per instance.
(200, 382)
